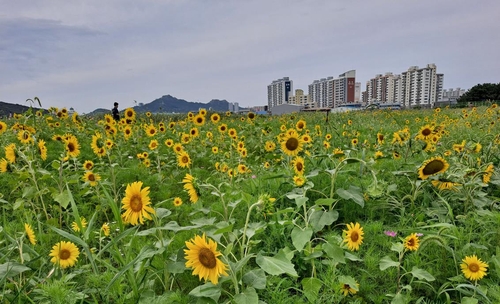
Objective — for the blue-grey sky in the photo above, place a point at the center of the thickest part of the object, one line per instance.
(88, 54)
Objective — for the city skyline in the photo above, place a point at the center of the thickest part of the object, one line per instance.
(89, 55)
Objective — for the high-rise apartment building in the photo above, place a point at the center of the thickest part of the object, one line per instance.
(332, 92)
(279, 91)
(414, 87)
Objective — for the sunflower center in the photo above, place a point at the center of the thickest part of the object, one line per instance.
(64, 254)
(207, 258)
(185, 159)
(411, 242)
(426, 132)
(136, 203)
(433, 167)
(473, 267)
(299, 166)
(91, 177)
(71, 147)
(354, 236)
(292, 144)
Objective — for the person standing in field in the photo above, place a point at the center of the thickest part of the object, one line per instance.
(114, 111)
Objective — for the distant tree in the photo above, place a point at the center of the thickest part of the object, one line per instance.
(482, 92)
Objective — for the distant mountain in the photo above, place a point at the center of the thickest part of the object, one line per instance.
(170, 104)
(10, 108)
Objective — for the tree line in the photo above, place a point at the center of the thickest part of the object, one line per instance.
(482, 92)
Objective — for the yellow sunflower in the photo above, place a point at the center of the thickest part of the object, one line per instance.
(153, 144)
(30, 233)
(4, 165)
(488, 173)
(242, 168)
(105, 229)
(215, 150)
(354, 141)
(185, 138)
(64, 254)
(24, 137)
(412, 242)
(299, 180)
(353, 236)
(425, 133)
(72, 146)
(10, 153)
(91, 178)
(178, 148)
(202, 257)
(189, 186)
(267, 165)
(3, 127)
(432, 166)
(270, 146)
(127, 132)
(194, 132)
(75, 226)
(169, 143)
(177, 202)
(442, 184)
(129, 114)
(42, 149)
(291, 144)
(88, 165)
(150, 130)
(298, 164)
(346, 289)
(380, 138)
(136, 204)
(222, 128)
(183, 160)
(215, 118)
(473, 268)
(199, 120)
(251, 115)
(300, 125)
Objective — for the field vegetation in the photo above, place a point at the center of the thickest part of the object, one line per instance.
(357, 207)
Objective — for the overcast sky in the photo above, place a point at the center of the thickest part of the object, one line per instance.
(88, 54)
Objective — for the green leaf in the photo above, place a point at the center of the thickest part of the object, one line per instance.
(207, 290)
(324, 202)
(348, 280)
(175, 267)
(276, 265)
(467, 300)
(334, 252)
(311, 287)
(62, 198)
(255, 278)
(353, 193)
(387, 262)
(399, 298)
(398, 247)
(301, 237)
(300, 201)
(422, 274)
(10, 269)
(319, 219)
(352, 257)
(249, 296)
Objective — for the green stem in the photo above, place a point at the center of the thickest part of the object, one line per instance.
(242, 248)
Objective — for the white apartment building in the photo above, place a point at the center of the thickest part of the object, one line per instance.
(414, 87)
(332, 92)
(279, 91)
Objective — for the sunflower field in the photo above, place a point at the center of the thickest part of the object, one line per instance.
(372, 206)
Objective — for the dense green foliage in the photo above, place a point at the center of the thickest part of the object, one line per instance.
(367, 207)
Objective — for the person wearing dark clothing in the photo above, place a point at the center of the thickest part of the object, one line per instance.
(116, 114)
